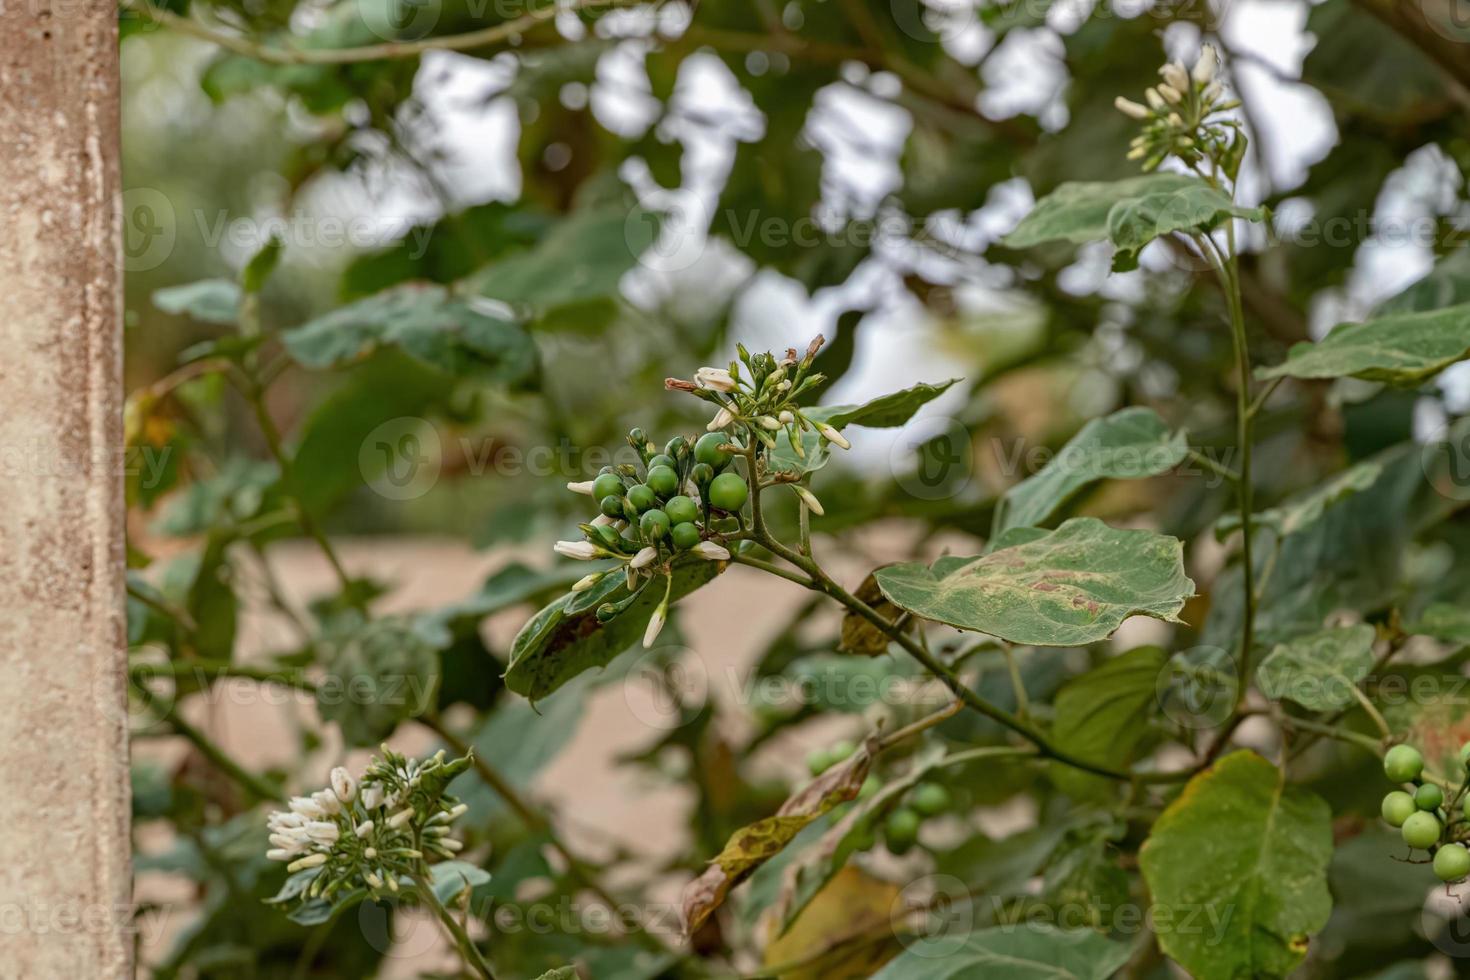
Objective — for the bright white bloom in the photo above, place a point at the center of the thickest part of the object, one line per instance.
(810, 499)
(1131, 108)
(717, 378)
(322, 832)
(710, 550)
(1176, 76)
(328, 801)
(655, 625)
(584, 488)
(833, 436)
(343, 785)
(580, 550)
(722, 418)
(1204, 68)
(645, 557)
(587, 581)
(307, 807)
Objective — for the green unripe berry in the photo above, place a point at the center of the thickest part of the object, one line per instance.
(642, 498)
(863, 839)
(663, 459)
(1398, 806)
(663, 481)
(684, 536)
(1421, 830)
(612, 506)
(1465, 807)
(1451, 862)
(682, 510)
(901, 830)
(676, 447)
(1428, 797)
(870, 786)
(1403, 764)
(707, 450)
(701, 474)
(607, 485)
(930, 799)
(728, 492)
(842, 749)
(654, 523)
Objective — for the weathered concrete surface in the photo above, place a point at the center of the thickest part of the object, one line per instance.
(64, 869)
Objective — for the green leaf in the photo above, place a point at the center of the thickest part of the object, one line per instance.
(253, 277)
(208, 300)
(1080, 212)
(1031, 951)
(1245, 856)
(1130, 444)
(1307, 508)
(560, 973)
(1319, 671)
(1193, 208)
(380, 675)
(1067, 587)
(1446, 621)
(1399, 349)
(886, 412)
(1447, 284)
(457, 336)
(1104, 715)
(565, 638)
(450, 878)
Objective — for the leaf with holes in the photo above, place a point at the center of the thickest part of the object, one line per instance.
(1067, 587)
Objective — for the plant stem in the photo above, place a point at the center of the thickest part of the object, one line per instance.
(771, 568)
(468, 951)
(212, 669)
(1341, 734)
(258, 785)
(1023, 702)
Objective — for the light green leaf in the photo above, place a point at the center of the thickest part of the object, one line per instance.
(1398, 349)
(1446, 621)
(460, 337)
(560, 973)
(1245, 856)
(1319, 671)
(1103, 715)
(1130, 444)
(1447, 284)
(1309, 507)
(886, 412)
(565, 638)
(208, 300)
(1079, 212)
(1192, 208)
(450, 878)
(1030, 951)
(1067, 587)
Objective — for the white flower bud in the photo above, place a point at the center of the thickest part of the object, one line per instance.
(369, 852)
(1130, 108)
(322, 832)
(364, 829)
(770, 423)
(458, 810)
(307, 807)
(1175, 75)
(587, 581)
(584, 488)
(1171, 95)
(580, 550)
(400, 819)
(645, 557)
(1212, 93)
(451, 845)
(344, 785)
(833, 436)
(655, 624)
(722, 418)
(310, 861)
(711, 551)
(786, 418)
(810, 499)
(717, 378)
(371, 796)
(1155, 100)
(279, 854)
(373, 880)
(327, 800)
(1204, 68)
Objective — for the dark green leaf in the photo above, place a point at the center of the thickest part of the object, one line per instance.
(1031, 951)
(1398, 349)
(1105, 714)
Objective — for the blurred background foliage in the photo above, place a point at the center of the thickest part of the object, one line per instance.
(518, 241)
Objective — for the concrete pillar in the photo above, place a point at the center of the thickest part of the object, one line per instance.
(65, 886)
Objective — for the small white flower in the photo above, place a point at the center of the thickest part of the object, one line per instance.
(310, 861)
(655, 625)
(711, 551)
(287, 842)
(1175, 75)
(1130, 108)
(810, 499)
(1204, 68)
(1171, 94)
(322, 832)
(371, 796)
(645, 557)
(400, 819)
(307, 807)
(364, 829)
(580, 550)
(584, 488)
(373, 880)
(587, 581)
(282, 819)
(327, 800)
(722, 418)
(717, 378)
(344, 785)
(833, 436)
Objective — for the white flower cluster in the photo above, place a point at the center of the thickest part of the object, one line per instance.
(1183, 117)
(368, 834)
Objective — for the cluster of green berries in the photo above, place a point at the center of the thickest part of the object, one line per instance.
(901, 826)
(1183, 118)
(1424, 816)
